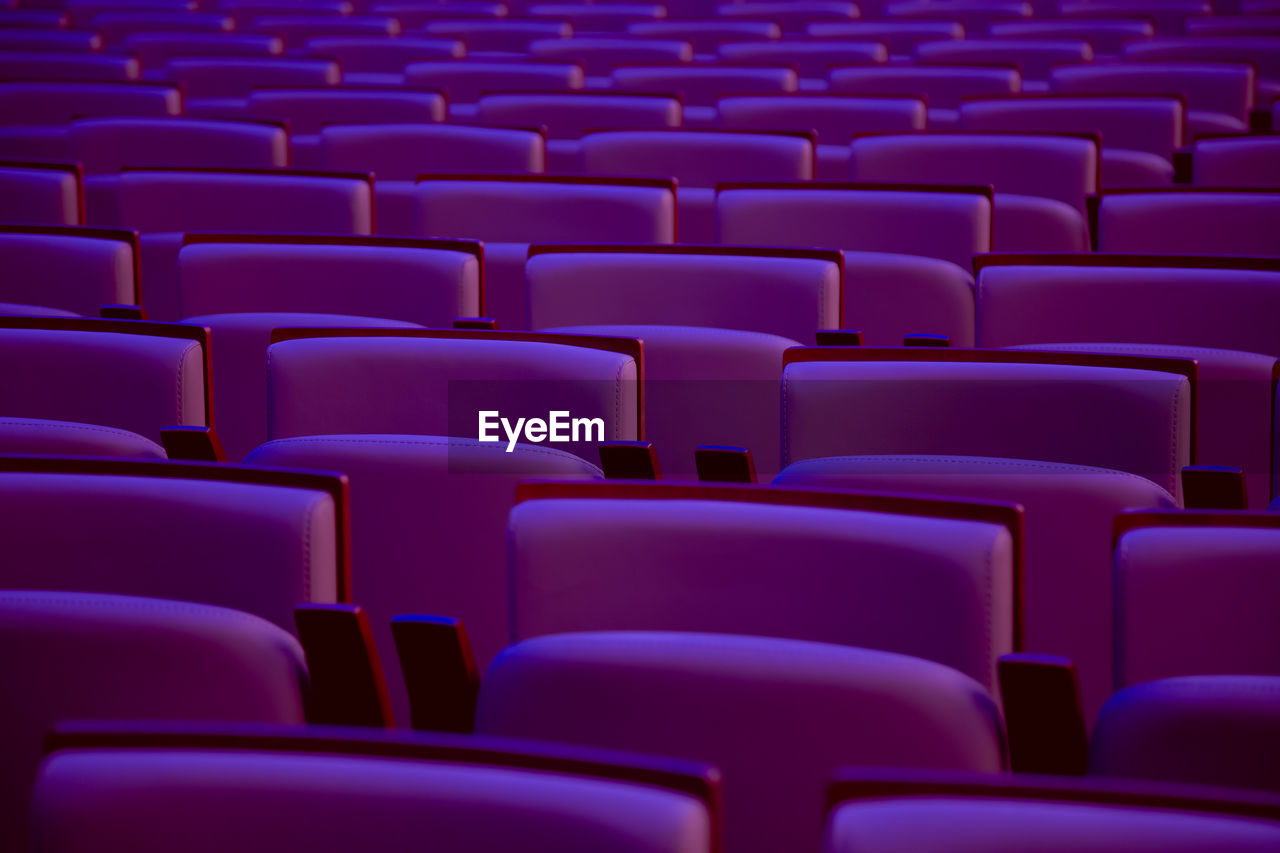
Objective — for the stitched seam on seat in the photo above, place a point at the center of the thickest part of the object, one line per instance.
(1011, 462)
(182, 367)
(1173, 443)
(139, 603)
(46, 426)
(617, 400)
(785, 450)
(1119, 569)
(986, 628)
(306, 550)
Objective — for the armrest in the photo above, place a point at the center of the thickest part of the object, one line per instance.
(1043, 715)
(193, 443)
(838, 338)
(921, 340)
(484, 324)
(439, 672)
(1213, 487)
(122, 312)
(347, 685)
(629, 460)
(718, 464)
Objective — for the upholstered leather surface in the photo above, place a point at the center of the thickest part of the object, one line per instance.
(901, 36)
(1201, 223)
(1226, 89)
(157, 48)
(942, 87)
(1260, 50)
(58, 103)
(698, 159)
(600, 54)
(949, 226)
(414, 553)
(1122, 168)
(1034, 56)
(706, 35)
(935, 588)
(776, 716)
(957, 825)
(888, 296)
(1107, 35)
(401, 152)
(22, 309)
(1141, 124)
(1129, 420)
(836, 120)
(569, 116)
(92, 799)
(703, 85)
(307, 110)
(78, 274)
(236, 77)
(38, 437)
(793, 16)
(82, 656)
(466, 81)
(376, 54)
(424, 386)
(68, 65)
(1029, 223)
(1195, 601)
(974, 16)
(106, 145)
(1070, 510)
(39, 196)
(811, 59)
(140, 383)
(1237, 163)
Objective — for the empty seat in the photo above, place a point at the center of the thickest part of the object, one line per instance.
(51, 103)
(33, 18)
(698, 160)
(793, 16)
(116, 25)
(397, 481)
(1236, 162)
(1215, 571)
(164, 204)
(508, 213)
(414, 14)
(714, 323)
(296, 29)
(702, 86)
(497, 35)
(600, 55)
(82, 12)
(41, 193)
(70, 268)
(813, 59)
(1189, 222)
(1107, 36)
(155, 49)
(975, 15)
(836, 119)
(381, 60)
(77, 655)
(464, 82)
(64, 65)
(242, 287)
(1040, 406)
(245, 12)
(459, 384)
(706, 36)
(1139, 135)
(1035, 57)
(1042, 183)
(942, 88)
(42, 437)
(480, 793)
(80, 41)
(776, 716)
(597, 18)
(1169, 16)
(397, 153)
(1234, 25)
(901, 37)
(141, 377)
(219, 87)
(1262, 50)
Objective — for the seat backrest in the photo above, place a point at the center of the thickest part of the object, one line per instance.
(550, 210)
(1107, 36)
(1217, 574)
(569, 116)
(949, 223)
(454, 384)
(120, 23)
(1190, 222)
(1034, 56)
(37, 436)
(74, 655)
(75, 269)
(900, 36)
(975, 15)
(1061, 168)
(297, 27)
(254, 540)
(236, 77)
(603, 17)
(381, 55)
(136, 376)
(699, 158)
(66, 65)
(793, 15)
(58, 103)
(835, 119)
(155, 49)
(811, 58)
(298, 202)
(511, 36)
(41, 193)
(1151, 124)
(1236, 162)
(790, 294)
(308, 110)
(1020, 406)
(401, 152)
(418, 281)
(1206, 730)
(1263, 51)
(776, 716)
(107, 145)
(941, 87)
(397, 481)
(702, 85)
(464, 82)
(706, 35)
(601, 54)
(1219, 88)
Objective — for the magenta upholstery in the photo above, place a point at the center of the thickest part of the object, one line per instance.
(1169, 16)
(975, 15)
(107, 145)
(39, 196)
(308, 110)
(702, 85)
(35, 436)
(1150, 124)
(1106, 35)
(234, 78)
(593, 18)
(465, 81)
(1263, 51)
(86, 799)
(497, 35)
(776, 716)
(1236, 162)
(373, 56)
(298, 27)
(943, 88)
(1119, 418)
(599, 55)
(1034, 56)
(888, 296)
(793, 16)
(155, 49)
(1070, 511)
(140, 383)
(705, 35)
(396, 482)
(1198, 223)
(1220, 579)
(78, 655)
(64, 65)
(73, 273)
(58, 103)
(811, 58)
(569, 116)
(1219, 97)
(13, 38)
(116, 25)
(899, 36)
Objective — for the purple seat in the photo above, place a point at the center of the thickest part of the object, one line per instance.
(599, 55)
(792, 16)
(776, 716)
(72, 655)
(465, 81)
(698, 160)
(1070, 514)
(58, 103)
(1216, 572)
(155, 49)
(836, 119)
(296, 29)
(73, 269)
(164, 204)
(116, 25)
(42, 437)
(1241, 162)
(702, 86)
(32, 18)
(397, 481)
(1206, 730)
(1139, 134)
(597, 17)
(1189, 222)
(1035, 57)
(497, 35)
(64, 65)
(1041, 183)
(813, 59)
(512, 212)
(79, 41)
(41, 193)
(1263, 51)
(1034, 406)
(242, 288)
(714, 323)
(84, 11)
(901, 37)
(398, 153)
(942, 88)
(414, 14)
(245, 12)
(457, 384)
(380, 60)
(975, 15)
(1234, 25)
(1169, 16)
(1219, 97)
(1107, 36)
(220, 86)
(321, 790)
(706, 36)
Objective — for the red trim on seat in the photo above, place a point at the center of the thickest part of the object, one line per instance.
(123, 235)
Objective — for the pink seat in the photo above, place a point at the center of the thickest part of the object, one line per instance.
(1219, 97)
(464, 82)
(76, 41)
(1169, 16)
(600, 55)
(813, 59)
(698, 160)
(1107, 36)
(702, 86)
(116, 25)
(63, 65)
(309, 110)
(570, 115)
(74, 269)
(597, 18)
(220, 86)
(41, 437)
(1190, 222)
(1234, 25)
(1236, 162)
(58, 103)
(497, 35)
(942, 88)
(83, 12)
(510, 213)
(41, 193)
(706, 36)
(76, 655)
(901, 37)
(1035, 57)
(381, 59)
(155, 49)
(975, 15)
(793, 16)
(414, 14)
(296, 29)
(1263, 51)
